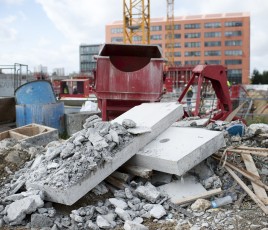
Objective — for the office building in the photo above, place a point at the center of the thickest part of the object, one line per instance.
(86, 54)
(198, 39)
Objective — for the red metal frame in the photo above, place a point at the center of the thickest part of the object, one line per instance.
(82, 85)
(216, 74)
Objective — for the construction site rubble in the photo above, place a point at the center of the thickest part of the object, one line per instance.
(135, 203)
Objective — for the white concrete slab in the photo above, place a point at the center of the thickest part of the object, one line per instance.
(178, 149)
(182, 188)
(198, 122)
(156, 116)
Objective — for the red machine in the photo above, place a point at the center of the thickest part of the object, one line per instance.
(216, 74)
(126, 76)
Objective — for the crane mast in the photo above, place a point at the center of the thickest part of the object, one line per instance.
(136, 21)
(170, 33)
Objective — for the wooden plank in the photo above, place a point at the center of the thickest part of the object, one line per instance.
(245, 173)
(252, 148)
(242, 151)
(259, 191)
(234, 112)
(247, 190)
(203, 196)
(138, 171)
(115, 182)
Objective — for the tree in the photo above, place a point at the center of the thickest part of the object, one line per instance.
(258, 78)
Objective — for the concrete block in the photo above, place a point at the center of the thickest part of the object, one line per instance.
(157, 116)
(34, 134)
(179, 189)
(179, 149)
(74, 121)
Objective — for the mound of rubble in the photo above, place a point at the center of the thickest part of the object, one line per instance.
(136, 202)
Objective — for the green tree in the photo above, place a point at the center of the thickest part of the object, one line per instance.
(259, 78)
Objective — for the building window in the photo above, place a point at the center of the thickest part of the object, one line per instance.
(212, 34)
(194, 62)
(177, 62)
(212, 43)
(156, 37)
(176, 45)
(192, 35)
(192, 44)
(117, 30)
(192, 54)
(233, 24)
(89, 49)
(235, 76)
(213, 62)
(177, 54)
(117, 39)
(176, 27)
(213, 53)
(136, 38)
(87, 58)
(156, 28)
(233, 62)
(176, 36)
(213, 25)
(233, 52)
(192, 26)
(232, 33)
(233, 43)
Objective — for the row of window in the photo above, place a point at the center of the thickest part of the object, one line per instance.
(206, 53)
(187, 35)
(89, 49)
(87, 67)
(212, 62)
(187, 26)
(87, 58)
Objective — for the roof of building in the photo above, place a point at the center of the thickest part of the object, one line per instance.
(194, 17)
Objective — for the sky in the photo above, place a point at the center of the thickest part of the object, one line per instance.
(49, 32)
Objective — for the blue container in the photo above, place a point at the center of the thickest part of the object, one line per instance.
(35, 92)
(236, 129)
(51, 115)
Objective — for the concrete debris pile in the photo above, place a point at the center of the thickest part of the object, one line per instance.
(63, 165)
(208, 196)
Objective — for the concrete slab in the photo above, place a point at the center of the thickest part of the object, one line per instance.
(74, 121)
(34, 134)
(189, 123)
(156, 116)
(182, 188)
(178, 149)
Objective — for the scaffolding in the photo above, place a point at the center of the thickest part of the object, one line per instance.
(136, 21)
(170, 34)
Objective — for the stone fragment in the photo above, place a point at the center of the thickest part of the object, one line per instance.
(158, 211)
(201, 205)
(122, 214)
(17, 210)
(255, 129)
(128, 193)
(114, 136)
(118, 203)
(131, 225)
(103, 223)
(40, 221)
(92, 226)
(148, 192)
(128, 123)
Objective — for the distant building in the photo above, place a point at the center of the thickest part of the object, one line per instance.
(86, 54)
(58, 72)
(198, 39)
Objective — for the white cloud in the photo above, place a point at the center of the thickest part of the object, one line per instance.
(7, 32)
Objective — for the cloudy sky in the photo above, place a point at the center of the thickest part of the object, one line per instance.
(49, 32)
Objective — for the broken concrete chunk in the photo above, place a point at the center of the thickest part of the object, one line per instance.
(255, 129)
(128, 123)
(92, 226)
(17, 211)
(114, 136)
(118, 203)
(201, 205)
(122, 214)
(40, 221)
(158, 211)
(131, 225)
(148, 192)
(103, 223)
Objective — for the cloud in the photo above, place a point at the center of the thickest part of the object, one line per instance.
(7, 33)
(11, 2)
